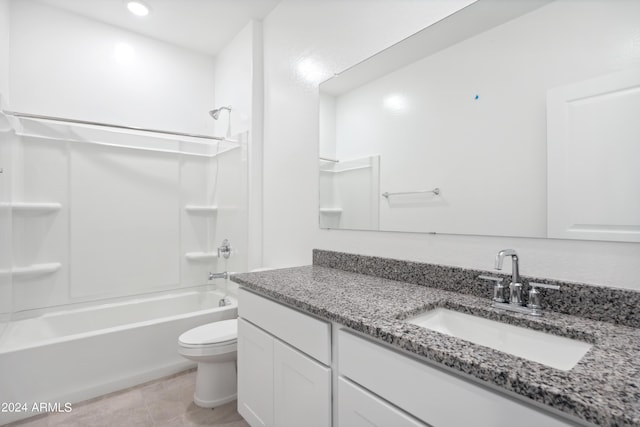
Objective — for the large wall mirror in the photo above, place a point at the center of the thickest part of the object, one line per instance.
(508, 118)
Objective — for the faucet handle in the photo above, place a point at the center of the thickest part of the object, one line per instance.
(534, 295)
(224, 251)
(498, 289)
(544, 285)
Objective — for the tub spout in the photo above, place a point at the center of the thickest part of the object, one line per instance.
(223, 275)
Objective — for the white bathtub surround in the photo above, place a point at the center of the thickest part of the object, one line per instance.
(6, 214)
(74, 355)
(99, 212)
(125, 240)
(123, 203)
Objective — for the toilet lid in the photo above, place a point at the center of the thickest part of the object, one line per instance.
(211, 333)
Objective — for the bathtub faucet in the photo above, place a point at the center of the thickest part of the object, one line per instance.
(223, 275)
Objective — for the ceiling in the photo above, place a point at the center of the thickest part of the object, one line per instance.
(205, 26)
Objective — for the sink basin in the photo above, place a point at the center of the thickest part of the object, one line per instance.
(551, 350)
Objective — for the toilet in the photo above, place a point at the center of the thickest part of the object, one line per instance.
(213, 347)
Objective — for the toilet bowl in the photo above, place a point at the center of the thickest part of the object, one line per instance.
(213, 347)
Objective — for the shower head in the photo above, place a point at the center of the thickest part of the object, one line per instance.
(216, 113)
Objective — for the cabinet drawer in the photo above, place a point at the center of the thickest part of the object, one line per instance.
(431, 394)
(306, 333)
(359, 408)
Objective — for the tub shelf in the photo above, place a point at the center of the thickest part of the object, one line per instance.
(201, 209)
(32, 271)
(34, 208)
(334, 211)
(201, 256)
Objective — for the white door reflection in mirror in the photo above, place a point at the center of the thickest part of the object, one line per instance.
(594, 158)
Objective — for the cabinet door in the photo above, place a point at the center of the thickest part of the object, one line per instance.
(255, 375)
(359, 408)
(302, 389)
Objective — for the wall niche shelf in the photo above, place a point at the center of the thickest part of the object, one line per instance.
(34, 208)
(333, 211)
(201, 209)
(201, 256)
(32, 271)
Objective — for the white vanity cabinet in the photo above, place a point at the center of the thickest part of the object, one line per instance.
(287, 378)
(429, 394)
(284, 377)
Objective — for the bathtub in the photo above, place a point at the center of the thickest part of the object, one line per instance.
(72, 355)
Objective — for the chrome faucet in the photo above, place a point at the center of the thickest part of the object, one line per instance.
(224, 251)
(515, 302)
(515, 287)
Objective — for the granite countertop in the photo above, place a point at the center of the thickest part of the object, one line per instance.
(603, 388)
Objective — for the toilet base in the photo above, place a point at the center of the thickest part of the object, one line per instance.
(216, 384)
(213, 403)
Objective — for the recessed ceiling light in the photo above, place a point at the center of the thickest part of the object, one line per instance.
(138, 8)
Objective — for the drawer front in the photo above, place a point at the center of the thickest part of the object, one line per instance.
(306, 333)
(359, 408)
(430, 394)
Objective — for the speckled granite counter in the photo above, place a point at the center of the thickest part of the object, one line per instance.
(603, 388)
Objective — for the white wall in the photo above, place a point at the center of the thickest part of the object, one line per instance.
(327, 130)
(239, 84)
(4, 51)
(232, 86)
(66, 65)
(316, 40)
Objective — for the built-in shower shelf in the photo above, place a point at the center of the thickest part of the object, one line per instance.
(35, 208)
(201, 256)
(334, 211)
(31, 271)
(201, 209)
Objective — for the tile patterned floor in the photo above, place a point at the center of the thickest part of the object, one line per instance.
(167, 402)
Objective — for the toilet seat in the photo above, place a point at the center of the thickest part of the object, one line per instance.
(211, 334)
